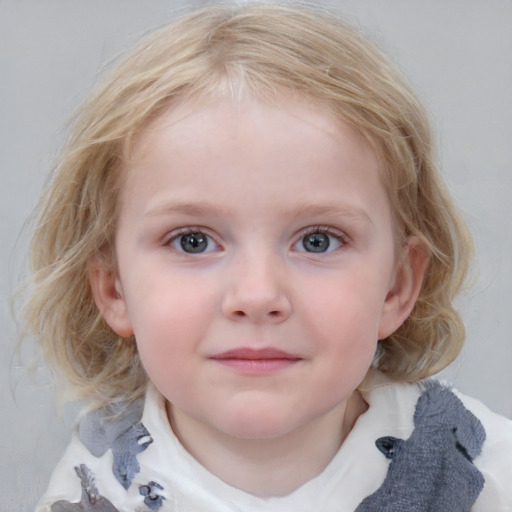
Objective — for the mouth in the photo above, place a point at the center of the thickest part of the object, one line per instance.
(256, 361)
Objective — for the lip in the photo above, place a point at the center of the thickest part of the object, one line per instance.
(256, 361)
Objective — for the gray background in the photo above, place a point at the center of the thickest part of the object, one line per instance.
(456, 52)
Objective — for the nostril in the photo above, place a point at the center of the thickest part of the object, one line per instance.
(243, 314)
(259, 309)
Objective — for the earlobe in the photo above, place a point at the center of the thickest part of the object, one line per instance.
(406, 287)
(109, 298)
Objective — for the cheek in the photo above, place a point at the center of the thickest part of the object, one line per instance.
(347, 339)
(344, 316)
(172, 302)
(169, 320)
(168, 341)
(348, 304)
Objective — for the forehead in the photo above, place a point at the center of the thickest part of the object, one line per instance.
(198, 120)
(292, 153)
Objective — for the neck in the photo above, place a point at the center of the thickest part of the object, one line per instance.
(271, 466)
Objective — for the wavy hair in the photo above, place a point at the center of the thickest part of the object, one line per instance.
(266, 51)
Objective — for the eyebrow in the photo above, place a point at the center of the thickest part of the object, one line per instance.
(205, 209)
(192, 209)
(333, 210)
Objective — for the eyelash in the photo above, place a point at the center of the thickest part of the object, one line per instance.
(339, 236)
(175, 237)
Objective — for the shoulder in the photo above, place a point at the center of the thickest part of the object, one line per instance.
(130, 462)
(450, 447)
(100, 462)
(495, 459)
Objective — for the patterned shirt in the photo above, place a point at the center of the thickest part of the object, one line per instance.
(419, 447)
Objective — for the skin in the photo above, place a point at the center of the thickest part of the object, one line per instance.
(257, 343)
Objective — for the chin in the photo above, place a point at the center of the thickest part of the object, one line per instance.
(259, 425)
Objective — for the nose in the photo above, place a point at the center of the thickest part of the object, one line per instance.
(257, 292)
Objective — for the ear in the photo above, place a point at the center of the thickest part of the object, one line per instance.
(405, 287)
(108, 296)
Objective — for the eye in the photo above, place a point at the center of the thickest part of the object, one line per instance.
(193, 242)
(320, 240)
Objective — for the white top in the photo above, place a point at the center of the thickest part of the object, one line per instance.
(170, 479)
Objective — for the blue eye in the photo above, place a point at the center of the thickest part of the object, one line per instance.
(193, 242)
(319, 241)
(316, 242)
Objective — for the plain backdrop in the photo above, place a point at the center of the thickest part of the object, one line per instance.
(457, 53)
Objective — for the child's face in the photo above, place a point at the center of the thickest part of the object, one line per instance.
(256, 265)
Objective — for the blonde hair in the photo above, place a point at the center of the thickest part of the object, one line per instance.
(268, 51)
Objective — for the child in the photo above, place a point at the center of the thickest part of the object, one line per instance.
(245, 264)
